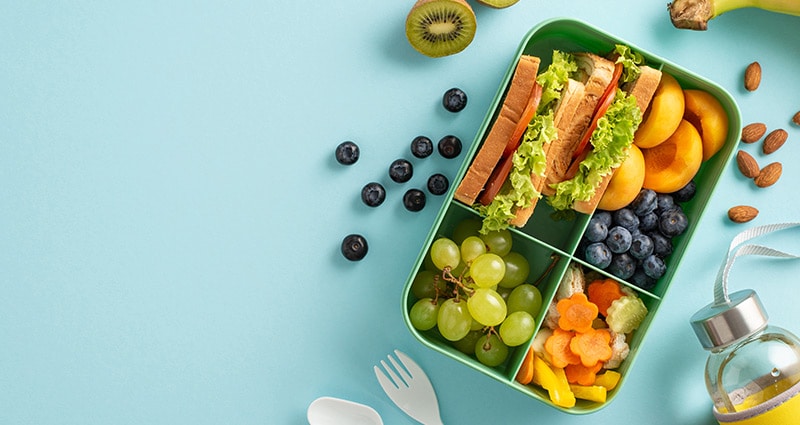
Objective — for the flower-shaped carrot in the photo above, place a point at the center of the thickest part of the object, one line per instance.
(576, 313)
(557, 345)
(603, 292)
(592, 347)
(582, 375)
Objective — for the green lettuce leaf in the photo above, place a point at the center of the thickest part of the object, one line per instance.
(630, 61)
(518, 190)
(610, 142)
(554, 78)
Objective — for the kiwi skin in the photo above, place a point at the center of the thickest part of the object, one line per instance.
(456, 16)
(497, 4)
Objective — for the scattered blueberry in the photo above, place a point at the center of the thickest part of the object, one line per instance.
(421, 147)
(648, 222)
(401, 171)
(622, 265)
(598, 255)
(373, 194)
(641, 246)
(642, 280)
(665, 202)
(645, 202)
(597, 230)
(438, 184)
(347, 153)
(414, 200)
(626, 218)
(604, 217)
(618, 239)
(662, 245)
(654, 267)
(449, 146)
(354, 247)
(686, 193)
(673, 222)
(454, 99)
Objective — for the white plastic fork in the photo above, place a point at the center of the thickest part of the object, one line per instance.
(409, 388)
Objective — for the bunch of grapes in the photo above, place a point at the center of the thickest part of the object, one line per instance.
(472, 291)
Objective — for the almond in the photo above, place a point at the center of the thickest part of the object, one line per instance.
(752, 132)
(742, 213)
(774, 140)
(752, 76)
(769, 175)
(796, 118)
(747, 165)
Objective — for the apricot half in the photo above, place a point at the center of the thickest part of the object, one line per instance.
(664, 114)
(672, 164)
(626, 182)
(709, 118)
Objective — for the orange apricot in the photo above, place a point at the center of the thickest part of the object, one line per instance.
(626, 182)
(672, 164)
(663, 115)
(709, 118)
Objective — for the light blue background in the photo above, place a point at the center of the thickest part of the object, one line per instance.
(171, 212)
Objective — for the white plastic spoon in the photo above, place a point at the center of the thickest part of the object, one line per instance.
(336, 411)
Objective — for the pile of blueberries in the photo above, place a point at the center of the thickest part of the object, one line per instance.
(354, 246)
(634, 242)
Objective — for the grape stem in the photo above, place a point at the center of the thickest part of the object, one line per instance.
(554, 258)
(458, 283)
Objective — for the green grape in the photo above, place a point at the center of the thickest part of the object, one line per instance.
(487, 270)
(445, 253)
(467, 344)
(424, 314)
(471, 248)
(487, 307)
(517, 328)
(476, 325)
(453, 319)
(525, 297)
(490, 350)
(517, 270)
(426, 283)
(465, 229)
(504, 292)
(498, 241)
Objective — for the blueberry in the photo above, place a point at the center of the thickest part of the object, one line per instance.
(598, 255)
(347, 153)
(626, 218)
(618, 239)
(645, 202)
(421, 147)
(641, 246)
(401, 171)
(673, 222)
(414, 200)
(373, 194)
(449, 146)
(622, 265)
(597, 230)
(648, 222)
(438, 184)
(454, 99)
(686, 193)
(665, 202)
(354, 247)
(662, 245)
(642, 280)
(654, 266)
(604, 217)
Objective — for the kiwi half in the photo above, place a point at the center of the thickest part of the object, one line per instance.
(438, 28)
(497, 4)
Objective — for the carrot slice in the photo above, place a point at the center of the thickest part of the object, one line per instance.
(557, 346)
(576, 313)
(525, 373)
(582, 375)
(603, 292)
(592, 347)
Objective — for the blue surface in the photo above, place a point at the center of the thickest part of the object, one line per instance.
(171, 213)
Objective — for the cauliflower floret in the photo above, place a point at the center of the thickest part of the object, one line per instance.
(619, 350)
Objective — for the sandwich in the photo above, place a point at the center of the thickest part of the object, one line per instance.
(562, 135)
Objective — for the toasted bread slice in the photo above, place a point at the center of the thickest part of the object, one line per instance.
(495, 142)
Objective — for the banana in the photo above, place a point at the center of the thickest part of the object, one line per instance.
(695, 14)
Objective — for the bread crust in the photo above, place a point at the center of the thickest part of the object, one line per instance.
(494, 144)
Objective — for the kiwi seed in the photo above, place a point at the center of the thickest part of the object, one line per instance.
(438, 28)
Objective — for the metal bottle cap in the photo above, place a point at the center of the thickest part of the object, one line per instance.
(719, 325)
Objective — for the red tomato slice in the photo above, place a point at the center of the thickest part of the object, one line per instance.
(496, 180)
(602, 106)
(527, 116)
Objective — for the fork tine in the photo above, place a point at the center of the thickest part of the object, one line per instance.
(399, 383)
(412, 367)
(385, 382)
(401, 370)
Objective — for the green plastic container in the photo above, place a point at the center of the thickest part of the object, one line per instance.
(543, 237)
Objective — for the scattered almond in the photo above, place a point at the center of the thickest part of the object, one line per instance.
(747, 165)
(769, 175)
(774, 140)
(742, 213)
(752, 76)
(796, 118)
(752, 132)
